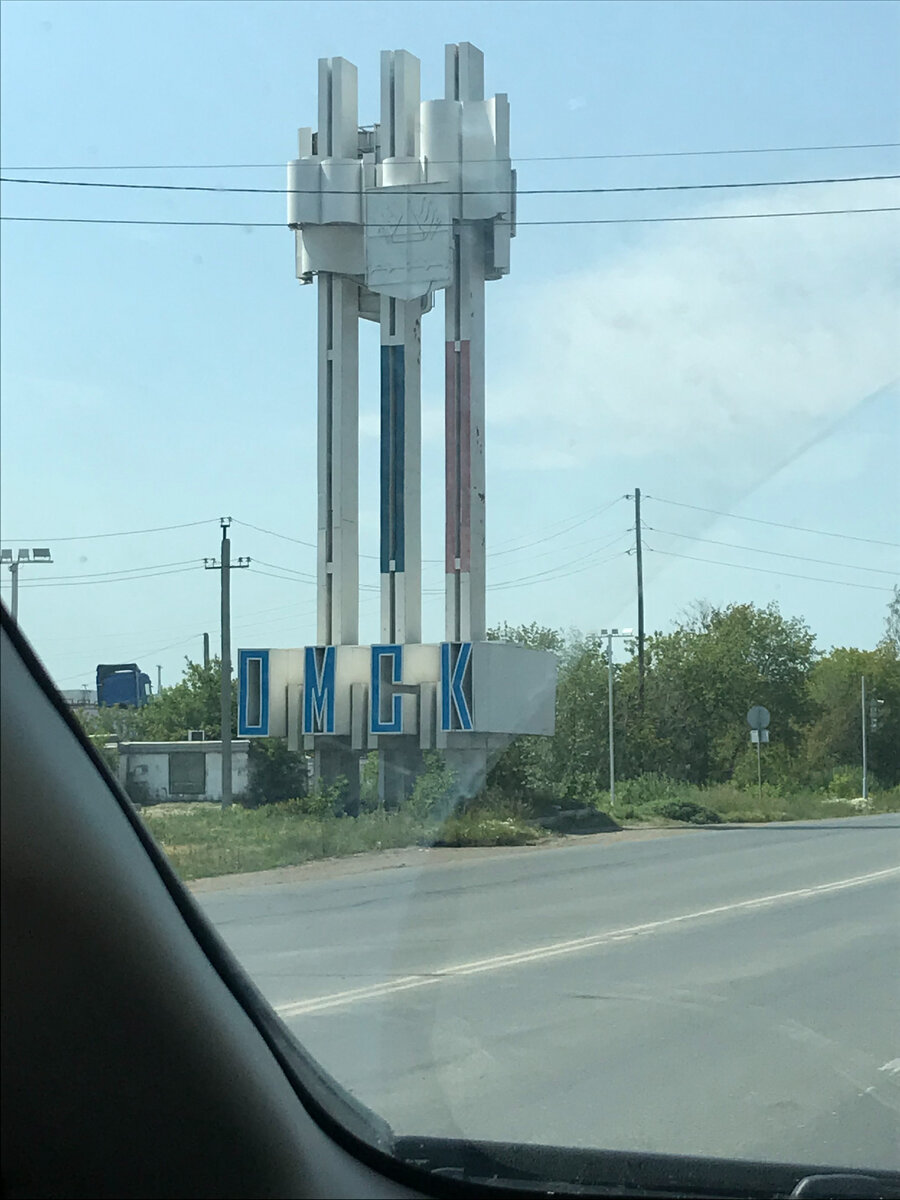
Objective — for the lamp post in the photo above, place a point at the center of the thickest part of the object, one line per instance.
(39, 554)
(609, 634)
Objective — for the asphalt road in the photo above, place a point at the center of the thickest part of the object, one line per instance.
(732, 992)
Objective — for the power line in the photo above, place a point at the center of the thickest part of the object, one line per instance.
(850, 537)
(569, 526)
(586, 561)
(870, 587)
(588, 191)
(822, 562)
(755, 216)
(87, 537)
(743, 150)
(98, 575)
(122, 579)
(276, 567)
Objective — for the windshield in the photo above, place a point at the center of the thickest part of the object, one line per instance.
(507, 651)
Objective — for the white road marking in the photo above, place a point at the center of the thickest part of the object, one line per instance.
(892, 1067)
(555, 949)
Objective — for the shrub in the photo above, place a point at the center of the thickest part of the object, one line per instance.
(686, 810)
(432, 791)
(275, 773)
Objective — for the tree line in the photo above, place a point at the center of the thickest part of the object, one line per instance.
(687, 723)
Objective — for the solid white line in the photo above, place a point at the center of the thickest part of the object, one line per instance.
(555, 949)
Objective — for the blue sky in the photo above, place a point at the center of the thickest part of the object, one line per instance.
(161, 376)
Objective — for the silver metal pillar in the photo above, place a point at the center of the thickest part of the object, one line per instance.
(338, 404)
(464, 396)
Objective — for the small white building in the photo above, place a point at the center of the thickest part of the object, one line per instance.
(181, 770)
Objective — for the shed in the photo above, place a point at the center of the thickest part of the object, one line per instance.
(181, 770)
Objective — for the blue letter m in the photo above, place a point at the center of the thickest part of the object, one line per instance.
(318, 689)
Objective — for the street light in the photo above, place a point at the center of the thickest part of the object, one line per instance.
(38, 554)
(609, 634)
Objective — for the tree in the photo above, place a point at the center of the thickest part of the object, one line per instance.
(193, 703)
(834, 736)
(892, 621)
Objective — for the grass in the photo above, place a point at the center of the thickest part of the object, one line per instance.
(654, 800)
(203, 840)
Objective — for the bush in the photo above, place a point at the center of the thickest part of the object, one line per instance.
(432, 791)
(686, 810)
(479, 829)
(846, 783)
(275, 773)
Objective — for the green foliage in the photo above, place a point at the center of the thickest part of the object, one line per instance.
(193, 703)
(537, 637)
(834, 735)
(275, 772)
(686, 810)
(892, 621)
(368, 782)
(476, 829)
(433, 789)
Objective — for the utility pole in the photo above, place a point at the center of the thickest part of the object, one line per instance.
(639, 554)
(14, 562)
(158, 680)
(862, 698)
(225, 566)
(609, 634)
(206, 651)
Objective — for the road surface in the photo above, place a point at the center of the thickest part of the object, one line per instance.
(732, 992)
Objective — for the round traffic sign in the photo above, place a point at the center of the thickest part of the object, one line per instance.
(758, 717)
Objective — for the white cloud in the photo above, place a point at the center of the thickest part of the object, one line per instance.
(732, 337)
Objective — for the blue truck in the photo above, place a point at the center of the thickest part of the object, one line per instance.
(122, 685)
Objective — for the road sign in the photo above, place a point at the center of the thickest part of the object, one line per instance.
(758, 717)
(759, 736)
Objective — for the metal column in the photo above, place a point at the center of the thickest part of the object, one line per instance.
(338, 413)
(464, 392)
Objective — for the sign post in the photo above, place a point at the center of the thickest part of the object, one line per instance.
(758, 719)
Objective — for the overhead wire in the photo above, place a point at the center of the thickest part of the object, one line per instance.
(410, 191)
(870, 587)
(122, 579)
(99, 575)
(608, 156)
(850, 537)
(822, 562)
(87, 537)
(754, 216)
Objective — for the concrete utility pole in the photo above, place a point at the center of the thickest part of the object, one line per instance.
(865, 765)
(225, 566)
(158, 679)
(639, 553)
(206, 651)
(16, 560)
(609, 634)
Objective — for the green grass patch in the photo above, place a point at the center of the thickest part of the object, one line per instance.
(203, 840)
(651, 799)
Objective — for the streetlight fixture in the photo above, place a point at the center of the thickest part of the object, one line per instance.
(22, 557)
(609, 634)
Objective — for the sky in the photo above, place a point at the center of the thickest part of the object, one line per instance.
(743, 373)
